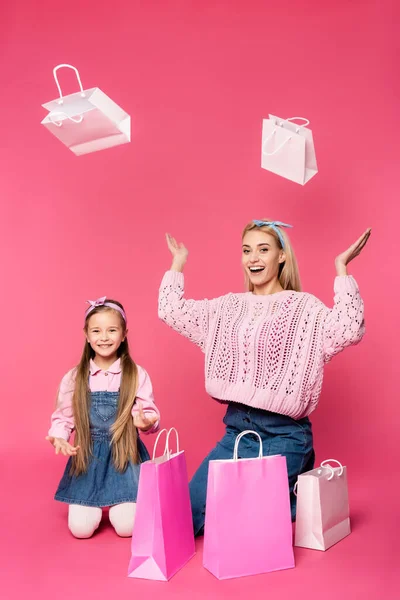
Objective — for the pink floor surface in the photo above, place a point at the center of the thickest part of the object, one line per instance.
(40, 559)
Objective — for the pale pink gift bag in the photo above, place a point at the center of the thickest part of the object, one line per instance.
(323, 516)
(288, 149)
(163, 539)
(88, 120)
(248, 527)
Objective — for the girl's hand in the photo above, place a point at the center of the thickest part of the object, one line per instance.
(343, 259)
(62, 446)
(178, 251)
(142, 421)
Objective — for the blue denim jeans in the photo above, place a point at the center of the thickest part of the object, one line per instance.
(280, 434)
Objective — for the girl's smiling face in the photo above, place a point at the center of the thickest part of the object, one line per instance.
(105, 334)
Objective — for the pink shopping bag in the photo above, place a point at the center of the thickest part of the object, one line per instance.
(323, 516)
(248, 528)
(163, 539)
(288, 149)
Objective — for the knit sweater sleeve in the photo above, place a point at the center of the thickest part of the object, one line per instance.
(190, 318)
(344, 324)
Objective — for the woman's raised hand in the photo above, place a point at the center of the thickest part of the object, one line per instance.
(178, 251)
(343, 259)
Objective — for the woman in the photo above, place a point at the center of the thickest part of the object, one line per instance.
(265, 349)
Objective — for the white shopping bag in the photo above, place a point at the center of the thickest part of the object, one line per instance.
(88, 120)
(323, 516)
(288, 149)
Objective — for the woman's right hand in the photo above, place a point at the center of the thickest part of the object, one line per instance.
(62, 446)
(179, 253)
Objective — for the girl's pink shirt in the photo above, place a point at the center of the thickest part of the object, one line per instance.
(62, 419)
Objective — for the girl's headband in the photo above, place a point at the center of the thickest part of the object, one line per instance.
(103, 302)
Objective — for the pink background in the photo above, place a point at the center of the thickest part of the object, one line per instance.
(197, 79)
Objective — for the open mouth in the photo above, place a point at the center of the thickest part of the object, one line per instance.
(255, 270)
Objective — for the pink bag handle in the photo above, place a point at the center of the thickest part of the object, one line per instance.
(61, 100)
(167, 448)
(330, 460)
(239, 437)
(156, 442)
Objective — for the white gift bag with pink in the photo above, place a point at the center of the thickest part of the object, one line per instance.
(323, 515)
(288, 149)
(88, 120)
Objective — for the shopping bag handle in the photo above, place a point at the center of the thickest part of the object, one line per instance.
(307, 122)
(279, 147)
(58, 123)
(330, 460)
(167, 448)
(61, 100)
(331, 475)
(156, 442)
(239, 437)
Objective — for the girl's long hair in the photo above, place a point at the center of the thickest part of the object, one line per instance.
(289, 276)
(124, 433)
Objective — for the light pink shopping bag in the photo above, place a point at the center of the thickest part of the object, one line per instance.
(163, 539)
(88, 120)
(323, 516)
(288, 149)
(248, 528)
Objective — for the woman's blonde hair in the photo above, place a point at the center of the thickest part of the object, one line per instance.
(124, 433)
(289, 276)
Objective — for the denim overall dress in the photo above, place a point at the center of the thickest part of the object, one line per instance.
(102, 484)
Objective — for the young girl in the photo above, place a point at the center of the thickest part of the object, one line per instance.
(265, 349)
(105, 399)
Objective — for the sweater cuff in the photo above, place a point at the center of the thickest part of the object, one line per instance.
(174, 278)
(345, 284)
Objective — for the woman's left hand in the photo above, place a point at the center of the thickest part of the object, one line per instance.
(343, 259)
(142, 421)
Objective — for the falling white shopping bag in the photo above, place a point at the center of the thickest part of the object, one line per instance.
(288, 149)
(322, 517)
(88, 120)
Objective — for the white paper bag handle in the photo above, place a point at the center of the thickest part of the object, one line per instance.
(330, 460)
(156, 442)
(239, 437)
(61, 100)
(167, 448)
(307, 122)
(332, 474)
(58, 123)
(279, 147)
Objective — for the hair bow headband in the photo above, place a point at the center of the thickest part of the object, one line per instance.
(103, 302)
(275, 226)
